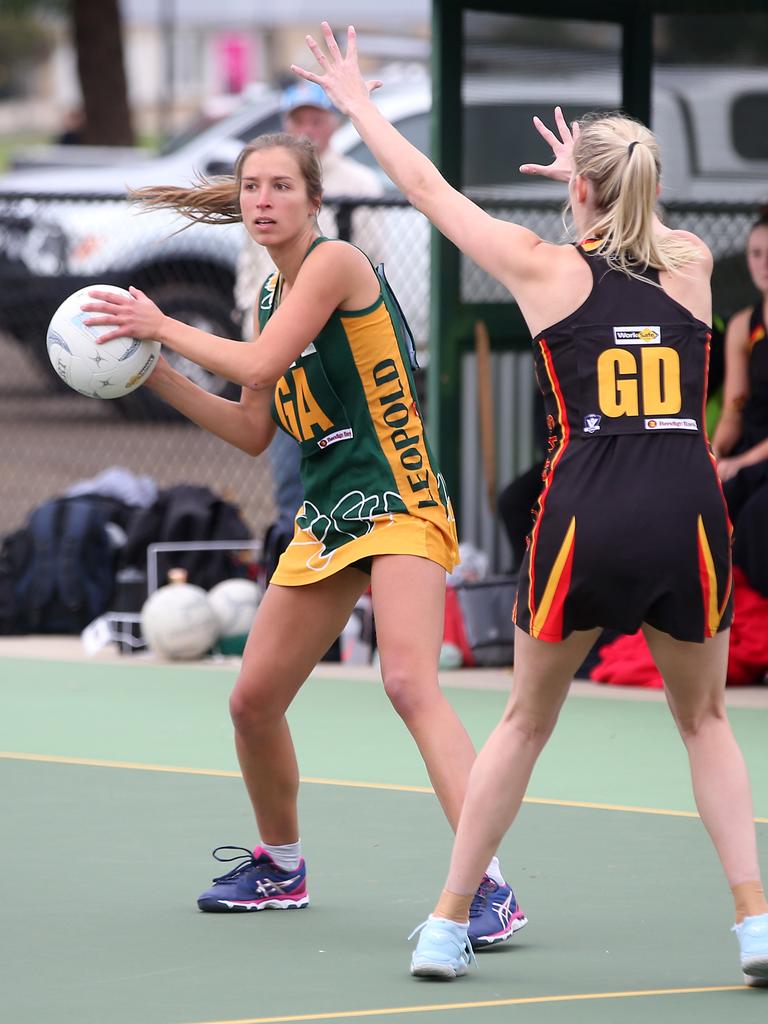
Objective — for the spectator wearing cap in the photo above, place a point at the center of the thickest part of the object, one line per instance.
(306, 111)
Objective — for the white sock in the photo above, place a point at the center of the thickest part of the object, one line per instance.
(494, 871)
(286, 857)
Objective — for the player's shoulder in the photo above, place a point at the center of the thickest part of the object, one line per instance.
(333, 255)
(705, 260)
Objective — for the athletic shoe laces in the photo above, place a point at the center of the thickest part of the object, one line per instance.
(480, 899)
(245, 856)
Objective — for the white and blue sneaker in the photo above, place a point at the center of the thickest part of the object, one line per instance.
(443, 950)
(752, 934)
(494, 915)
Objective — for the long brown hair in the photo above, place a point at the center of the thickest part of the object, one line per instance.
(621, 160)
(217, 200)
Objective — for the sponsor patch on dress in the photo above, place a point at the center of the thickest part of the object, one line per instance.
(637, 335)
(338, 435)
(670, 423)
(591, 423)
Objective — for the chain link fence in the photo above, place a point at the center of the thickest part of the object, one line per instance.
(53, 438)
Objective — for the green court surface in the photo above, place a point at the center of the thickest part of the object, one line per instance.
(119, 778)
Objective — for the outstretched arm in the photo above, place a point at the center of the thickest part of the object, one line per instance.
(507, 251)
(326, 279)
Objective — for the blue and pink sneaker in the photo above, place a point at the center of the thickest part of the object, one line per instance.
(257, 883)
(494, 915)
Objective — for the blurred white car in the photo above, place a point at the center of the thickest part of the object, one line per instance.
(80, 230)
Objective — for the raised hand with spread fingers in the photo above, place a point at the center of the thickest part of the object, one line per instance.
(341, 76)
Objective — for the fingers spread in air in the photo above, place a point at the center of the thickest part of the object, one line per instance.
(351, 43)
(330, 41)
(319, 56)
(562, 124)
(310, 76)
(549, 137)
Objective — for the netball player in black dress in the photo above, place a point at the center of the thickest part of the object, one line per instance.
(631, 527)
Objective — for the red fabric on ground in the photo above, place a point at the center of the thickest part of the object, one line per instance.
(453, 631)
(628, 662)
(748, 657)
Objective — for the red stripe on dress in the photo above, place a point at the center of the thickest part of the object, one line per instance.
(707, 352)
(552, 627)
(562, 419)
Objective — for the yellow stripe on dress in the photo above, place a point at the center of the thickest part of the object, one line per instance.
(555, 576)
(395, 419)
(711, 611)
(562, 423)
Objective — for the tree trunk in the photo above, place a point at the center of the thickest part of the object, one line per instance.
(101, 70)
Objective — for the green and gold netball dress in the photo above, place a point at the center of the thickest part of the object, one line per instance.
(371, 486)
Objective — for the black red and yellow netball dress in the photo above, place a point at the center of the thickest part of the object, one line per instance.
(631, 525)
(370, 482)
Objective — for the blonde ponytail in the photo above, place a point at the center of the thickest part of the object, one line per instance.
(620, 158)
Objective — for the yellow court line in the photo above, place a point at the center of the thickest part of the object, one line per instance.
(437, 1007)
(93, 762)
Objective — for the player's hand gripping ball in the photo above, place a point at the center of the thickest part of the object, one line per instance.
(108, 370)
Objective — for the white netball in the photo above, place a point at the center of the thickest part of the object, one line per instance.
(110, 370)
(178, 622)
(234, 604)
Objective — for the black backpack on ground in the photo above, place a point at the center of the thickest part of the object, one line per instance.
(14, 555)
(187, 512)
(57, 573)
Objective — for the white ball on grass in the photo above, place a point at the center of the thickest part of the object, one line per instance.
(178, 622)
(234, 604)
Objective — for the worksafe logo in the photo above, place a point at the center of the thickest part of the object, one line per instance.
(637, 335)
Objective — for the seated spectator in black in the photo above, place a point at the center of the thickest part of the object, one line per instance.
(740, 442)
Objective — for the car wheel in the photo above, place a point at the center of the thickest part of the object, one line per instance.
(199, 307)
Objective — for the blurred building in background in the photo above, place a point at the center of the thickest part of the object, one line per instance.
(184, 57)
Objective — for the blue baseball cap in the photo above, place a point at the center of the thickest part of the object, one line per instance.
(305, 94)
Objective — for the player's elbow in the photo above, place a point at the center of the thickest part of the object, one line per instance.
(258, 375)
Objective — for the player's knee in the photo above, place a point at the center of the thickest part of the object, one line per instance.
(407, 694)
(251, 708)
(696, 721)
(530, 729)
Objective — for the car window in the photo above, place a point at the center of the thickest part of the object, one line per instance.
(416, 130)
(749, 116)
(180, 139)
(499, 137)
